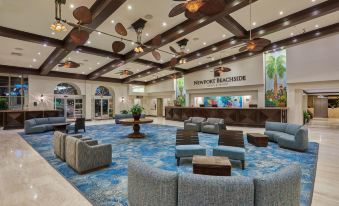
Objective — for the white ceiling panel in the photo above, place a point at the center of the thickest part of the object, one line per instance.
(130, 12)
(88, 63)
(133, 67)
(36, 16)
(304, 27)
(23, 54)
(157, 75)
(265, 11)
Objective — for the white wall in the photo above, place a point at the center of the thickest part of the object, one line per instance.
(45, 85)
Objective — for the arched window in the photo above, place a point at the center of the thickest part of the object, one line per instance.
(64, 88)
(102, 91)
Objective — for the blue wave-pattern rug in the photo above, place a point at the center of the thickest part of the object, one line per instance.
(109, 186)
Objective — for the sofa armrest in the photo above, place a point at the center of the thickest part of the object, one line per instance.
(91, 142)
(79, 136)
(90, 157)
(188, 120)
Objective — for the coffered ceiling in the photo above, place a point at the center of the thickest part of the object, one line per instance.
(207, 43)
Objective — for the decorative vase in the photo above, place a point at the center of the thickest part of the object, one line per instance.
(136, 117)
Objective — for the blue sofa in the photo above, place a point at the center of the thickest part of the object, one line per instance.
(118, 117)
(152, 187)
(39, 125)
(290, 136)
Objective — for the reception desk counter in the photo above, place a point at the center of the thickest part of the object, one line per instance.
(14, 119)
(253, 117)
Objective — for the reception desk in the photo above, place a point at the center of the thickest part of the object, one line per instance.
(252, 117)
(15, 119)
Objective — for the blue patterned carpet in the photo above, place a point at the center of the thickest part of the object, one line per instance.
(109, 186)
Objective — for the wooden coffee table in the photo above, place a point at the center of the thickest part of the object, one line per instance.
(211, 165)
(136, 126)
(61, 127)
(257, 139)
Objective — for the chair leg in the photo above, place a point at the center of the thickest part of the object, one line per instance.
(178, 161)
(242, 164)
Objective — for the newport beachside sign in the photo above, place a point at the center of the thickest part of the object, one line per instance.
(219, 81)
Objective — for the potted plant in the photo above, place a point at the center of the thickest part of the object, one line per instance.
(136, 111)
(307, 117)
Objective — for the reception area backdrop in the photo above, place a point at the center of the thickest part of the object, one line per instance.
(275, 79)
(224, 101)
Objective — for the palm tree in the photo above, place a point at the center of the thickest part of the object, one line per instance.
(275, 66)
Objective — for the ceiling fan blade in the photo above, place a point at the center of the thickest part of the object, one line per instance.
(173, 50)
(79, 37)
(212, 7)
(257, 49)
(156, 41)
(177, 10)
(83, 15)
(118, 46)
(156, 55)
(261, 42)
(173, 62)
(193, 16)
(120, 29)
(243, 49)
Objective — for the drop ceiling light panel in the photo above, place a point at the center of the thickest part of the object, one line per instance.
(265, 11)
(37, 16)
(210, 58)
(88, 63)
(311, 25)
(135, 68)
(23, 54)
(157, 9)
(208, 35)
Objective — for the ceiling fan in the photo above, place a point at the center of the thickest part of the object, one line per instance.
(69, 64)
(253, 44)
(125, 72)
(194, 9)
(182, 45)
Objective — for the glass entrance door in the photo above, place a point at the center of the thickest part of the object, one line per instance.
(69, 107)
(60, 106)
(102, 108)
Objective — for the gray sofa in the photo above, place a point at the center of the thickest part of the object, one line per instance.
(39, 125)
(84, 156)
(152, 187)
(194, 123)
(118, 117)
(213, 125)
(290, 136)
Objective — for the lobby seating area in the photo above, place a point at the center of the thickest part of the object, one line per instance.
(151, 186)
(38, 125)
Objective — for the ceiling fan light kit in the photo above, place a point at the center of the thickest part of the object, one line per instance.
(194, 5)
(57, 26)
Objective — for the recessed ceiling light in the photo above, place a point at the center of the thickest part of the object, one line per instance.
(69, 58)
(112, 21)
(129, 7)
(30, 66)
(39, 53)
(77, 52)
(71, 6)
(224, 36)
(204, 43)
(316, 26)
(34, 60)
(199, 63)
(254, 23)
(99, 33)
(90, 68)
(98, 63)
(292, 34)
(164, 24)
(147, 34)
(82, 72)
(314, 0)
(89, 42)
(132, 43)
(53, 33)
(281, 12)
(45, 45)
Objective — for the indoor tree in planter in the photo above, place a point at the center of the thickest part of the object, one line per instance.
(136, 111)
(3, 103)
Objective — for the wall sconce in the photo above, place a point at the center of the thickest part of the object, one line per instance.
(42, 98)
(122, 99)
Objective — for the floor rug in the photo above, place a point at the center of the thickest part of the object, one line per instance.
(109, 186)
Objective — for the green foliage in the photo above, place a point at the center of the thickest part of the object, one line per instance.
(124, 111)
(307, 116)
(3, 103)
(136, 109)
(275, 65)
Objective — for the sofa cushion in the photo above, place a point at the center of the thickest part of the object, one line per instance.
(197, 119)
(189, 150)
(237, 153)
(40, 121)
(30, 123)
(206, 190)
(280, 188)
(214, 120)
(275, 126)
(55, 120)
(274, 135)
(151, 186)
(292, 128)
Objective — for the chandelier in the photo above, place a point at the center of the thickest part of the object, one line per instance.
(57, 25)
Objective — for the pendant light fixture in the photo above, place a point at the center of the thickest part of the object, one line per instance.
(57, 25)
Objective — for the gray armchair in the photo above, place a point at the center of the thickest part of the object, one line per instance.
(194, 123)
(84, 156)
(213, 125)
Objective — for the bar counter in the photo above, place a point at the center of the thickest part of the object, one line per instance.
(252, 117)
(15, 119)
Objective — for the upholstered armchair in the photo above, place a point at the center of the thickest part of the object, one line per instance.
(194, 123)
(59, 143)
(213, 125)
(78, 125)
(84, 156)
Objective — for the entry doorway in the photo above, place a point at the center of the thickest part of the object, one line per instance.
(321, 107)
(103, 108)
(70, 107)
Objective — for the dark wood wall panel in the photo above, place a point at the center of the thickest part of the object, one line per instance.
(255, 117)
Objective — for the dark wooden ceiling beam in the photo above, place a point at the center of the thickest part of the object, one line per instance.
(232, 26)
(101, 10)
(173, 34)
(302, 38)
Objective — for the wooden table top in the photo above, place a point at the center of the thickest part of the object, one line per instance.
(257, 135)
(210, 160)
(132, 121)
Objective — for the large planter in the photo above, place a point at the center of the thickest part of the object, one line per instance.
(136, 117)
